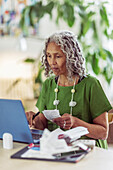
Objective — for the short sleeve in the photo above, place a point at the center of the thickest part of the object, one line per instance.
(98, 100)
(41, 102)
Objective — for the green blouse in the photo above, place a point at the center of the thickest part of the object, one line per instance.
(89, 96)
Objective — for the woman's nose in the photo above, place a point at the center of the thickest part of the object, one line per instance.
(53, 61)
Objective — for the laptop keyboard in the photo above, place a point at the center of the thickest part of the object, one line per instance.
(36, 135)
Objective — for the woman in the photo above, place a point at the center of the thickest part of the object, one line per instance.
(78, 97)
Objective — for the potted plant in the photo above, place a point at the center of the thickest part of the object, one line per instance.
(94, 28)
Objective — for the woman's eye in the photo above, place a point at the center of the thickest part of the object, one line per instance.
(58, 56)
(49, 56)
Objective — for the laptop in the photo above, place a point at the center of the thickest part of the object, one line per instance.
(13, 120)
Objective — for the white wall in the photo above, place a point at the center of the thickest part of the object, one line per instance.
(13, 68)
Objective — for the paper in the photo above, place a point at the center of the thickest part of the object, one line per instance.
(47, 155)
(50, 142)
(51, 114)
(36, 154)
(76, 133)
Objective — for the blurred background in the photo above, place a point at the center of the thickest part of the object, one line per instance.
(24, 25)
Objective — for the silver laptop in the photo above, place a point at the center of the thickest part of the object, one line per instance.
(13, 120)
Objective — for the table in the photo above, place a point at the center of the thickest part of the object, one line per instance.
(97, 159)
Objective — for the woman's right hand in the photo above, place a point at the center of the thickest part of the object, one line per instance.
(29, 116)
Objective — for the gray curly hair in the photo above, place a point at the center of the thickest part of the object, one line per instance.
(69, 45)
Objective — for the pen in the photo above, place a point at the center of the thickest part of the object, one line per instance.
(70, 154)
(35, 115)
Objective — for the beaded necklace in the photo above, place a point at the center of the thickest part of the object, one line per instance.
(71, 103)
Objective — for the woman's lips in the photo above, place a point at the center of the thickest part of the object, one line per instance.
(55, 69)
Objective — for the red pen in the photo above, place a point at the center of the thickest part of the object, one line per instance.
(31, 145)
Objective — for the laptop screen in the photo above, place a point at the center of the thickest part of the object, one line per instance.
(13, 120)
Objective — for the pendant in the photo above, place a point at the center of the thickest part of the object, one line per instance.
(56, 102)
(73, 91)
(56, 90)
(72, 103)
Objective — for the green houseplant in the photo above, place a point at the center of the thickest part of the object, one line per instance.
(94, 28)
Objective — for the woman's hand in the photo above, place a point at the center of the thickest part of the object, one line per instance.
(65, 121)
(39, 122)
(29, 116)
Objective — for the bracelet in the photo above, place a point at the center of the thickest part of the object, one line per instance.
(35, 115)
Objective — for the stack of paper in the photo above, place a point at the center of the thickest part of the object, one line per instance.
(50, 141)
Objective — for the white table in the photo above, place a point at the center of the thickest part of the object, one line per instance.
(97, 159)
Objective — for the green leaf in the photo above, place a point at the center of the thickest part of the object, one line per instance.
(39, 10)
(108, 72)
(48, 8)
(111, 35)
(82, 8)
(104, 16)
(106, 33)
(88, 57)
(82, 14)
(75, 1)
(95, 63)
(59, 12)
(22, 21)
(109, 55)
(102, 54)
(33, 16)
(68, 14)
(86, 26)
(29, 60)
(90, 14)
(95, 33)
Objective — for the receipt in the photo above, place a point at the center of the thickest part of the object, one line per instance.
(51, 114)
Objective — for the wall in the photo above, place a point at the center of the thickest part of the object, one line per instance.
(13, 69)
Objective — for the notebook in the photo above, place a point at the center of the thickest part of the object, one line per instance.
(13, 120)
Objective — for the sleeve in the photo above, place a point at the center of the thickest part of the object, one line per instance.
(98, 100)
(41, 102)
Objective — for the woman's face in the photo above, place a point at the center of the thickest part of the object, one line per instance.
(56, 59)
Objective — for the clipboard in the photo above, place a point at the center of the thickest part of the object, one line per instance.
(71, 158)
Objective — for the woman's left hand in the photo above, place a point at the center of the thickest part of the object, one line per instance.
(65, 121)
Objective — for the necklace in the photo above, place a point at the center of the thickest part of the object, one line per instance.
(71, 103)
